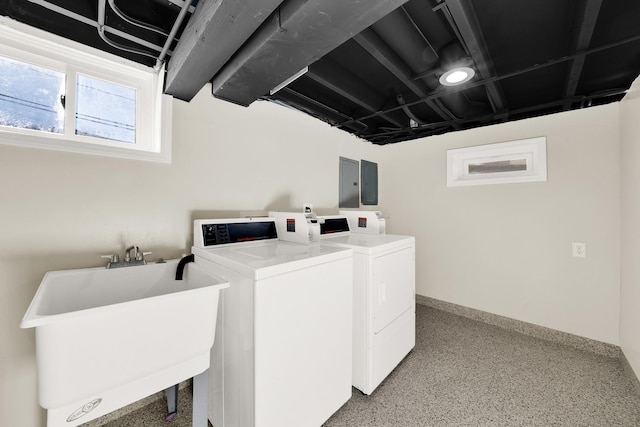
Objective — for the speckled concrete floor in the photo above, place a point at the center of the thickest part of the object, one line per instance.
(467, 373)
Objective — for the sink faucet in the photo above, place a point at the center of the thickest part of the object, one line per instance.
(127, 253)
(128, 261)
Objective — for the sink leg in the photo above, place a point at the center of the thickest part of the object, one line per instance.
(172, 402)
(200, 399)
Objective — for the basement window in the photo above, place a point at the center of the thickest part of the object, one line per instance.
(23, 106)
(58, 95)
(105, 110)
(506, 162)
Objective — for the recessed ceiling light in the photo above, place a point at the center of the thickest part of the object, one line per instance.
(457, 76)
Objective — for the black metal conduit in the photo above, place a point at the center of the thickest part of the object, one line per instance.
(80, 18)
(136, 22)
(102, 6)
(103, 29)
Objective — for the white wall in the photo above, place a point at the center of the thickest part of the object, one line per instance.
(62, 210)
(506, 249)
(630, 271)
(503, 249)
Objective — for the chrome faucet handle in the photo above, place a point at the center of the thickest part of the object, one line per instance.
(140, 255)
(113, 260)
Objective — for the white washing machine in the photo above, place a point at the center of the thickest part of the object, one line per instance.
(384, 324)
(284, 325)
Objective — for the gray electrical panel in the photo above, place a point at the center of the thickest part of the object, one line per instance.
(369, 182)
(349, 196)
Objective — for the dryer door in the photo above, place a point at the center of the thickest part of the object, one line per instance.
(393, 286)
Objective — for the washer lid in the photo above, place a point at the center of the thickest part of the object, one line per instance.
(269, 258)
(369, 243)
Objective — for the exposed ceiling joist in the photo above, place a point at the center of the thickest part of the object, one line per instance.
(536, 67)
(586, 19)
(465, 20)
(350, 87)
(540, 107)
(219, 27)
(297, 35)
(377, 48)
(418, 68)
(303, 101)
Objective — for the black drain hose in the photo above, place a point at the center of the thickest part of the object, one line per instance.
(183, 262)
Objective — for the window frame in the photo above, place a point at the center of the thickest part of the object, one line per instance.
(26, 44)
(532, 150)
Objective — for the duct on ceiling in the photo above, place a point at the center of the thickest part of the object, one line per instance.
(256, 51)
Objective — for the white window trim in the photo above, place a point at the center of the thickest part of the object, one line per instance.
(533, 150)
(153, 109)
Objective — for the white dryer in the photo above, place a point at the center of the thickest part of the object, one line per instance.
(284, 325)
(383, 297)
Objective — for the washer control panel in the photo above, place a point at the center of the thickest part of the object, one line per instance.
(219, 232)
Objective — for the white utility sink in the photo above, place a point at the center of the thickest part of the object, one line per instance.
(108, 337)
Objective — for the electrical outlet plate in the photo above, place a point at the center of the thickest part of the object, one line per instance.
(579, 249)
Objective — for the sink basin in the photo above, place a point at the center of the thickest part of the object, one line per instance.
(108, 337)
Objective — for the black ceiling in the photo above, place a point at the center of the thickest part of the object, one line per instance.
(373, 66)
